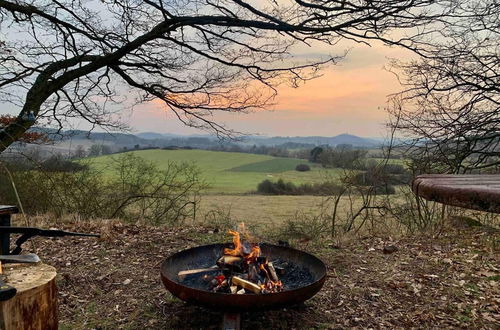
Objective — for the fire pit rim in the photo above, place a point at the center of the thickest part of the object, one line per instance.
(275, 299)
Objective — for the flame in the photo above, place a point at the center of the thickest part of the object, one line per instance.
(255, 252)
(238, 246)
(270, 285)
(241, 249)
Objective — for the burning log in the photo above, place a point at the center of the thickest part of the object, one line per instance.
(246, 284)
(241, 267)
(272, 272)
(183, 273)
(231, 262)
(253, 274)
(221, 286)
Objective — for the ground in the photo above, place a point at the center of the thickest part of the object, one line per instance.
(448, 281)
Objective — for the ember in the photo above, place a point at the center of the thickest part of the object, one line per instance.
(191, 276)
(242, 269)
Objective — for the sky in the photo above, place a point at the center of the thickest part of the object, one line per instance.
(348, 98)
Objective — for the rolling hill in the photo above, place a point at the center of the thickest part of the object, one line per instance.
(228, 172)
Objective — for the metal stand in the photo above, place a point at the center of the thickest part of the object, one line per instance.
(5, 212)
(231, 321)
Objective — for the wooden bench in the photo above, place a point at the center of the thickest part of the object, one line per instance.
(477, 192)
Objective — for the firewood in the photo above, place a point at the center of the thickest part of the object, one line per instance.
(229, 259)
(183, 273)
(231, 262)
(220, 286)
(272, 272)
(246, 284)
(261, 260)
(253, 274)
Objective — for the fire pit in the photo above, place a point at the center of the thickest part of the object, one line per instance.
(302, 275)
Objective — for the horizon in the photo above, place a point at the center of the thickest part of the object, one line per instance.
(206, 134)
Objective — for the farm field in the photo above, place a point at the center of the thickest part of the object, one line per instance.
(264, 209)
(229, 172)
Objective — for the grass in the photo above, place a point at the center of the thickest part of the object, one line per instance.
(264, 209)
(276, 165)
(229, 172)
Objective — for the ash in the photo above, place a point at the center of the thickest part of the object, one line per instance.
(294, 277)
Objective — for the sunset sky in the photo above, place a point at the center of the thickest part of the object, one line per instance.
(348, 98)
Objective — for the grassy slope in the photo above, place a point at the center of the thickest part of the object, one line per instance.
(230, 172)
(275, 165)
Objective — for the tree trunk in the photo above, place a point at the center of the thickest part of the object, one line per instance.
(35, 304)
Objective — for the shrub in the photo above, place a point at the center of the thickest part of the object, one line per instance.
(302, 168)
(395, 169)
(378, 175)
(58, 164)
(343, 157)
(138, 190)
(376, 179)
(385, 190)
(281, 187)
(266, 187)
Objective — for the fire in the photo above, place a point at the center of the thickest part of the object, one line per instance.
(237, 244)
(241, 269)
(240, 249)
(249, 253)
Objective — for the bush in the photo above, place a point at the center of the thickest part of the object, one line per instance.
(281, 187)
(379, 181)
(58, 164)
(343, 158)
(395, 169)
(138, 190)
(302, 168)
(385, 190)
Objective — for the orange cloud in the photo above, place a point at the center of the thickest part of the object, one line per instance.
(349, 97)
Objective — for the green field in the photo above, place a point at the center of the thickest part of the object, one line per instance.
(230, 172)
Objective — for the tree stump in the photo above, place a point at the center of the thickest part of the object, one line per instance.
(35, 304)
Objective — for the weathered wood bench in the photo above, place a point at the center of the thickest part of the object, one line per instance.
(476, 192)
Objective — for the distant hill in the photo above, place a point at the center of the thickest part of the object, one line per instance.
(353, 140)
(157, 136)
(68, 140)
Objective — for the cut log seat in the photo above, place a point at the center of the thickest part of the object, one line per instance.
(35, 304)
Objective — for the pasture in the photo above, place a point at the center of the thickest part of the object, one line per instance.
(229, 172)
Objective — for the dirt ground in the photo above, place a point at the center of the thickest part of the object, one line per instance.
(452, 281)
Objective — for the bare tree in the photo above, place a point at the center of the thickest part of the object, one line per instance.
(450, 108)
(64, 59)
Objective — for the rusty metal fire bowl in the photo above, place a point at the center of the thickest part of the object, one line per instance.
(297, 288)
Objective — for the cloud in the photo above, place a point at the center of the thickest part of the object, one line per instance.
(348, 98)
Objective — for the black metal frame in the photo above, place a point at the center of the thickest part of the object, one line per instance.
(6, 212)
